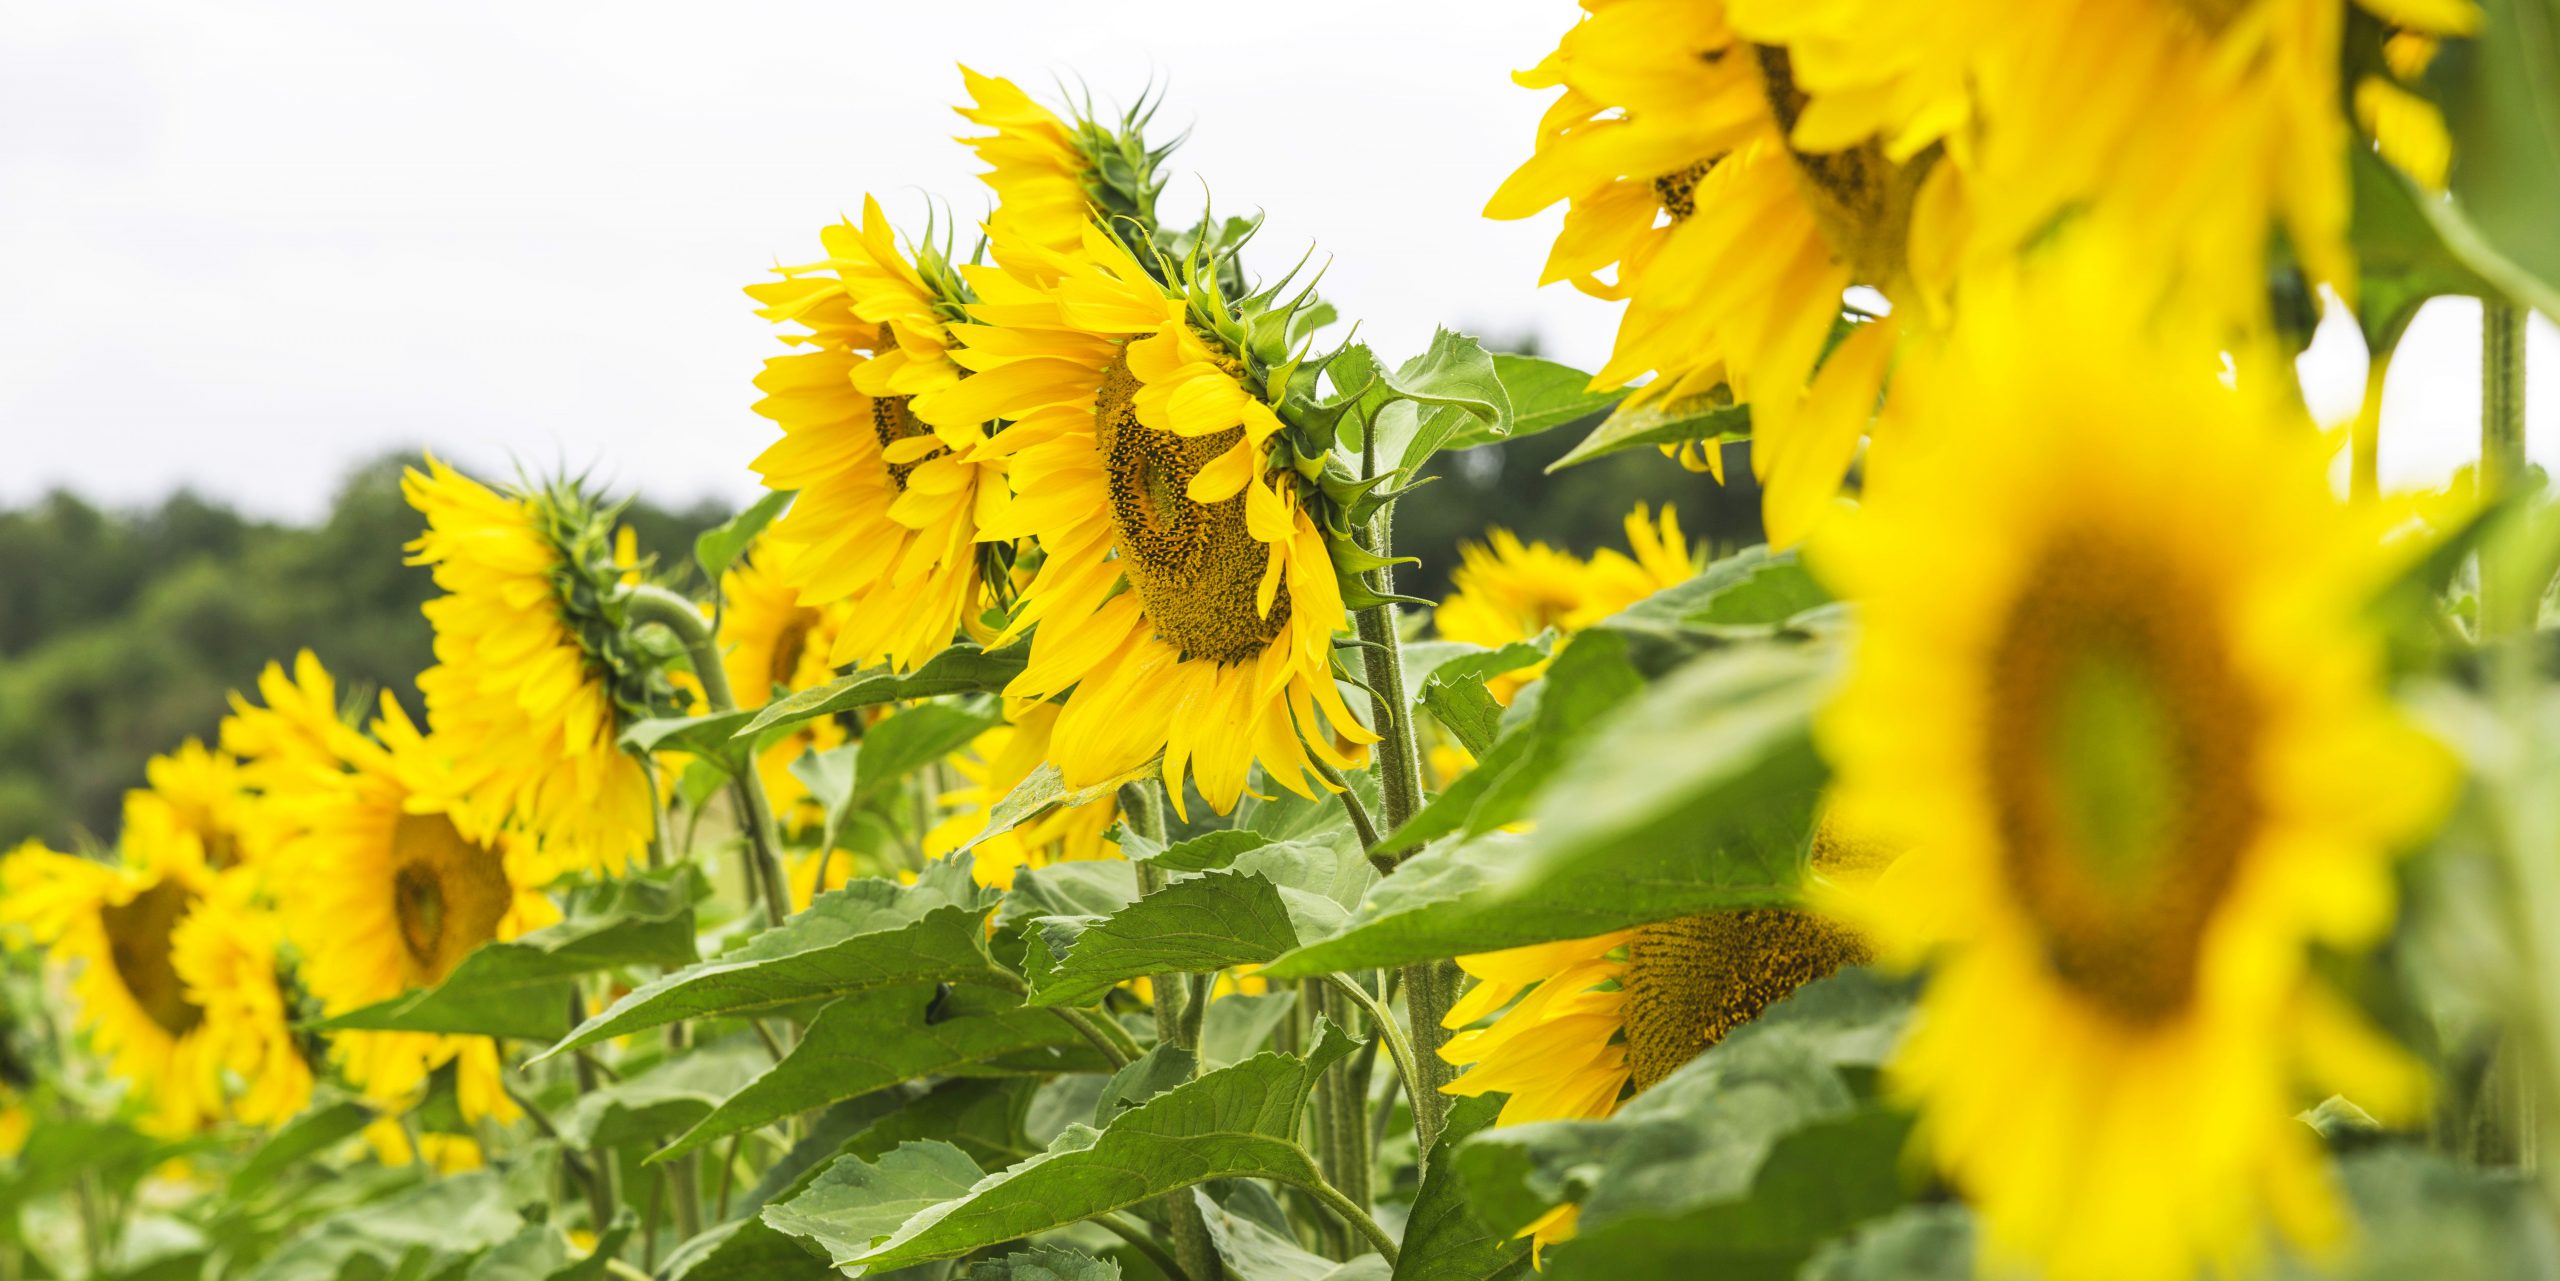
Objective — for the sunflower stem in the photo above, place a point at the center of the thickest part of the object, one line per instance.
(1144, 812)
(652, 604)
(2507, 603)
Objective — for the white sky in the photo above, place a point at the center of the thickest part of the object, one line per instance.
(245, 245)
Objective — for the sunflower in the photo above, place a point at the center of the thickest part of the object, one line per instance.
(1189, 603)
(295, 728)
(520, 697)
(1505, 590)
(1051, 177)
(2197, 127)
(224, 953)
(996, 761)
(388, 886)
(200, 791)
(1669, 146)
(1591, 1021)
(886, 533)
(771, 643)
(113, 925)
(2158, 772)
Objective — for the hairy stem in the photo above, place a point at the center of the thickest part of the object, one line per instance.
(651, 604)
(1143, 810)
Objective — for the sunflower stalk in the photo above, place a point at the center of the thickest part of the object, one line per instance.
(651, 604)
(1176, 1024)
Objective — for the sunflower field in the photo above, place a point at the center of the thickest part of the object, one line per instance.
(2097, 833)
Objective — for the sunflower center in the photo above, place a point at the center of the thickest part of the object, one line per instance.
(891, 423)
(1860, 199)
(1678, 191)
(138, 945)
(2213, 16)
(1195, 566)
(221, 848)
(1692, 980)
(448, 894)
(789, 645)
(2119, 745)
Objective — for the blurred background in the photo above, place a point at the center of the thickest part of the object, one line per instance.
(251, 254)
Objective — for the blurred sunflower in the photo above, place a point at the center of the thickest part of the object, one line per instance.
(224, 952)
(113, 926)
(202, 792)
(1051, 177)
(2199, 128)
(1578, 1025)
(771, 643)
(527, 694)
(1505, 590)
(1669, 146)
(387, 888)
(995, 763)
(2159, 773)
(887, 535)
(1189, 603)
(295, 728)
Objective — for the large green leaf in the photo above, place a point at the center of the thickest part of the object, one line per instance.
(1236, 1122)
(521, 988)
(2401, 259)
(541, 1252)
(961, 669)
(745, 1250)
(873, 1040)
(1697, 797)
(435, 1225)
(855, 1203)
(1044, 1263)
(1703, 418)
(1450, 396)
(325, 1125)
(1044, 789)
(871, 934)
(1546, 395)
(912, 738)
(713, 735)
(717, 548)
(1252, 1251)
(1915, 1243)
(1443, 1238)
(2501, 97)
(665, 1098)
(1193, 926)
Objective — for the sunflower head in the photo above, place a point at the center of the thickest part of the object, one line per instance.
(201, 791)
(1051, 176)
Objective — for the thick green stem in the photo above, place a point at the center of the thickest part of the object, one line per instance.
(658, 605)
(1143, 810)
(1101, 1033)
(1358, 1218)
(2507, 601)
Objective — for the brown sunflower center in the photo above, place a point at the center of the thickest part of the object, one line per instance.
(447, 893)
(2213, 16)
(891, 423)
(789, 645)
(221, 847)
(1861, 200)
(1195, 566)
(2118, 752)
(1691, 981)
(1678, 191)
(138, 946)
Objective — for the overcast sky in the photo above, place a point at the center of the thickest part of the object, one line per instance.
(245, 245)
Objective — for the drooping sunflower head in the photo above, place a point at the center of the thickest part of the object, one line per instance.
(112, 925)
(536, 667)
(1187, 593)
(891, 518)
(992, 766)
(391, 884)
(2159, 770)
(1050, 176)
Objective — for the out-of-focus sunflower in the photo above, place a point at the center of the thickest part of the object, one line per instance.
(386, 888)
(995, 763)
(2158, 771)
(1670, 147)
(294, 727)
(1580, 1024)
(2198, 128)
(200, 791)
(224, 952)
(113, 925)
(771, 642)
(1188, 601)
(1051, 177)
(888, 533)
(529, 688)
(1505, 590)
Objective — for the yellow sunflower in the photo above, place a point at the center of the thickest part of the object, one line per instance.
(1039, 173)
(1669, 146)
(2196, 127)
(224, 952)
(522, 706)
(1579, 1025)
(113, 925)
(2158, 771)
(887, 529)
(1189, 603)
(387, 888)
(202, 792)
(994, 764)
(295, 728)
(1505, 590)
(771, 642)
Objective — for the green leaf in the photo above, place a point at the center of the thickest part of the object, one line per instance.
(437, 1224)
(912, 738)
(2501, 96)
(961, 669)
(1915, 1243)
(1250, 1251)
(1467, 709)
(717, 548)
(521, 988)
(1078, 887)
(1044, 1263)
(853, 1204)
(1042, 790)
(1150, 1074)
(1702, 418)
(1448, 393)
(1236, 1026)
(671, 1094)
(1443, 1238)
(324, 1126)
(1451, 661)
(1546, 395)
(713, 736)
(1236, 1122)
(540, 1252)
(1698, 797)
(1194, 926)
(2423, 1215)
(2401, 260)
(745, 1250)
(871, 934)
(873, 1040)
(1204, 852)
